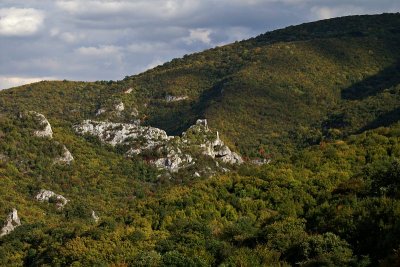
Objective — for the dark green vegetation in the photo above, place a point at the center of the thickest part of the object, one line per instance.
(321, 99)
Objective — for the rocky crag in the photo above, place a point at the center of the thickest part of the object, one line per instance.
(11, 223)
(49, 196)
(170, 153)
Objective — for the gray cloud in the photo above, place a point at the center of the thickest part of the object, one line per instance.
(109, 39)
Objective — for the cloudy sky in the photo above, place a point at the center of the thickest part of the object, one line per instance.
(109, 39)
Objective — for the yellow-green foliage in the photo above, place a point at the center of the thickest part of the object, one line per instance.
(321, 100)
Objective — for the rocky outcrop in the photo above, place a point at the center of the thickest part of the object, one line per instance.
(119, 107)
(213, 147)
(66, 157)
(142, 137)
(170, 153)
(174, 160)
(46, 131)
(49, 196)
(11, 223)
(95, 217)
(170, 98)
(260, 162)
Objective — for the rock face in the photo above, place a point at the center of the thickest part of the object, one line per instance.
(66, 157)
(47, 132)
(174, 160)
(143, 137)
(47, 195)
(215, 148)
(170, 153)
(11, 223)
(170, 98)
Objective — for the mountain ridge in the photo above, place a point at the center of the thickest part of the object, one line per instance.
(312, 109)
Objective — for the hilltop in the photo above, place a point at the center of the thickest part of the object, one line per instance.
(304, 80)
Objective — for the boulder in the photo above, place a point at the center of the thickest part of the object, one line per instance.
(47, 195)
(11, 223)
(46, 131)
(66, 157)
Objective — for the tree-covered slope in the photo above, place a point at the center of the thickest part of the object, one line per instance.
(263, 92)
(320, 99)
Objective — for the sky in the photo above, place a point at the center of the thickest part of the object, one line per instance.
(93, 40)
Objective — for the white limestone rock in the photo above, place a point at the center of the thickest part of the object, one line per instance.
(46, 195)
(174, 160)
(232, 158)
(201, 126)
(260, 162)
(119, 107)
(128, 91)
(11, 223)
(176, 153)
(47, 132)
(214, 148)
(170, 98)
(66, 157)
(100, 111)
(124, 133)
(95, 217)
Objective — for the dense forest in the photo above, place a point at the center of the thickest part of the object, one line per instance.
(312, 109)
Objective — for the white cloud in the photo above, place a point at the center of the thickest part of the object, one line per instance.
(143, 47)
(109, 39)
(68, 37)
(202, 35)
(106, 56)
(100, 51)
(154, 64)
(256, 2)
(137, 8)
(20, 21)
(324, 12)
(8, 81)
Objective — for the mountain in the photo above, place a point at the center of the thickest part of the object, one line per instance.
(278, 150)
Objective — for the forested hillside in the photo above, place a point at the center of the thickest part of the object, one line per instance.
(298, 162)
